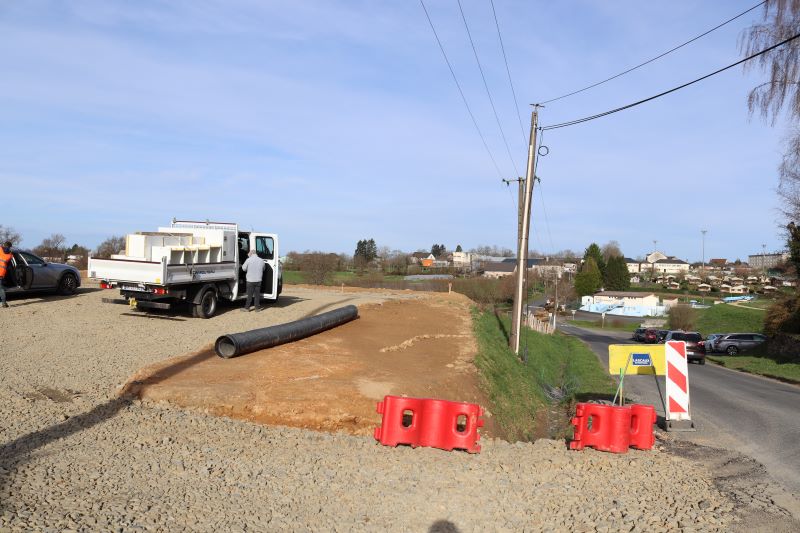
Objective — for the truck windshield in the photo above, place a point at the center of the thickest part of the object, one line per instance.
(265, 247)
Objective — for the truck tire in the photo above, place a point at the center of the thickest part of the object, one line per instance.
(206, 305)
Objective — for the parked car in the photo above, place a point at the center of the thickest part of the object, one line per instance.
(29, 272)
(661, 335)
(708, 344)
(638, 334)
(694, 351)
(650, 336)
(734, 343)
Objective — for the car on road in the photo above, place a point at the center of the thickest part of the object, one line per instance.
(638, 334)
(694, 351)
(650, 336)
(29, 272)
(734, 343)
(708, 344)
(661, 335)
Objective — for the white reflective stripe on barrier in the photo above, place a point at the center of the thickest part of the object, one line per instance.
(677, 407)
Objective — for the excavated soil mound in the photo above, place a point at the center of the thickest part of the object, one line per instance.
(416, 347)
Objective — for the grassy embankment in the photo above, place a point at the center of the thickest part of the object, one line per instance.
(726, 318)
(533, 400)
(754, 363)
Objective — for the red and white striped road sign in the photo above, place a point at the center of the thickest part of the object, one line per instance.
(677, 381)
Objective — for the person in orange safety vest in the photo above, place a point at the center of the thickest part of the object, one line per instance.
(5, 262)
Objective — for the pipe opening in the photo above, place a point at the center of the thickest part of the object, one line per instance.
(225, 347)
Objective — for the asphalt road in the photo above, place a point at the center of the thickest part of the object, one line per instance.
(756, 416)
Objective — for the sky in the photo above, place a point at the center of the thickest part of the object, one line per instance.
(332, 121)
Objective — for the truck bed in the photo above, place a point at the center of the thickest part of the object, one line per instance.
(160, 273)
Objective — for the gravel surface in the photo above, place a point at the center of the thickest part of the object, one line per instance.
(73, 457)
(81, 344)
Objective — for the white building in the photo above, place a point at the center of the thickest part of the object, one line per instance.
(628, 299)
(462, 259)
(658, 263)
(765, 261)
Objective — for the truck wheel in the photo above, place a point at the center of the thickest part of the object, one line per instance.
(207, 306)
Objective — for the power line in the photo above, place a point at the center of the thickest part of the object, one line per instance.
(693, 39)
(508, 71)
(461, 92)
(486, 86)
(659, 95)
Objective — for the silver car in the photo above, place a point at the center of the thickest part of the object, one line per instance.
(733, 343)
(28, 272)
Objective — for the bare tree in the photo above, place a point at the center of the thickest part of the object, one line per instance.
(682, 317)
(7, 233)
(318, 266)
(611, 249)
(52, 247)
(782, 91)
(109, 247)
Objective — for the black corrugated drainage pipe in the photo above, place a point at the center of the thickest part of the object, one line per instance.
(235, 344)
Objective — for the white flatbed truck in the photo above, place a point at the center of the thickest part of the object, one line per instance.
(191, 262)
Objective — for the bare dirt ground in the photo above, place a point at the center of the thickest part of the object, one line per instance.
(420, 346)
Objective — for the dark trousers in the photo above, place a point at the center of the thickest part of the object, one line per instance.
(253, 294)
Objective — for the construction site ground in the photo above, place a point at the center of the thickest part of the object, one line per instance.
(79, 453)
(418, 345)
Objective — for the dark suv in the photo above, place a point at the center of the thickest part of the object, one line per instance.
(638, 335)
(694, 350)
(733, 343)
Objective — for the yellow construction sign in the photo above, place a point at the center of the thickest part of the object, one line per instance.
(637, 359)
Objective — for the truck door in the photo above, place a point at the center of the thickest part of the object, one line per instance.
(242, 247)
(266, 247)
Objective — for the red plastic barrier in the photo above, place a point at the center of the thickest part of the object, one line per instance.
(429, 422)
(619, 436)
(612, 428)
(596, 436)
(642, 419)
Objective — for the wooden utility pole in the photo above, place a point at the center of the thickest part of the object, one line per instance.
(522, 248)
(520, 204)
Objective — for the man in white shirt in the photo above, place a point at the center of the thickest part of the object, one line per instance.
(254, 268)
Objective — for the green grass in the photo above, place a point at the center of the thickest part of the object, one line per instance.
(518, 393)
(726, 318)
(760, 304)
(609, 324)
(760, 365)
(296, 277)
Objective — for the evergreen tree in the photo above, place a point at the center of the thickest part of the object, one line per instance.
(371, 249)
(595, 253)
(366, 250)
(617, 277)
(458, 248)
(588, 280)
(438, 250)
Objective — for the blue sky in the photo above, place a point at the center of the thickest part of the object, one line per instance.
(328, 122)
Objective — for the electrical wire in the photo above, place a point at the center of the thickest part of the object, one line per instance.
(486, 86)
(461, 92)
(693, 39)
(508, 71)
(659, 95)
